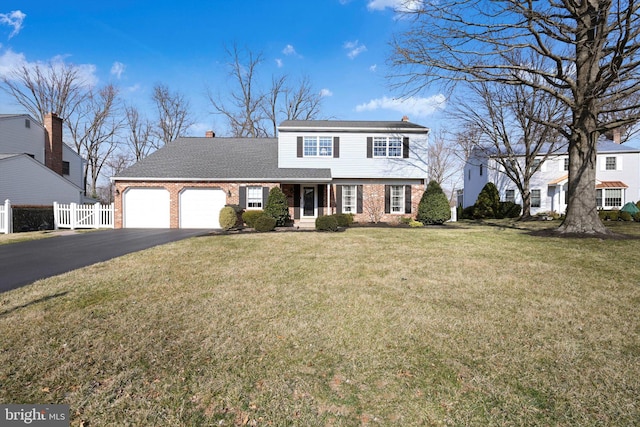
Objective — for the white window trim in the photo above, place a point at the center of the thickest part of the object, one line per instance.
(318, 148)
(254, 199)
(354, 199)
(387, 140)
(400, 199)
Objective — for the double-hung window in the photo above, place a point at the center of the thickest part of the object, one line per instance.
(535, 198)
(349, 199)
(387, 146)
(254, 198)
(612, 197)
(318, 146)
(610, 163)
(397, 199)
(510, 196)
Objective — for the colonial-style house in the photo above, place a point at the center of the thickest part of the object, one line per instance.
(368, 168)
(617, 178)
(36, 167)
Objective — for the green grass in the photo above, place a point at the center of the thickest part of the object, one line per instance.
(458, 325)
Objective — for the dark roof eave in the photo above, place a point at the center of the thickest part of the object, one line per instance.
(254, 179)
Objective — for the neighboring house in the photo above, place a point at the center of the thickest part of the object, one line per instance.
(617, 179)
(36, 167)
(361, 167)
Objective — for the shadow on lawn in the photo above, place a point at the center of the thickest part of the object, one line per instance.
(37, 301)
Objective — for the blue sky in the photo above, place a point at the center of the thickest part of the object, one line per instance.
(341, 45)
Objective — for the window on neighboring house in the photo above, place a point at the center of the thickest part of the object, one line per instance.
(65, 168)
(534, 165)
(254, 197)
(349, 199)
(387, 147)
(610, 163)
(566, 163)
(612, 197)
(397, 199)
(27, 123)
(510, 196)
(480, 170)
(318, 146)
(535, 198)
(598, 197)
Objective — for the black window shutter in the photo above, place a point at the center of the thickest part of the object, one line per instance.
(336, 146)
(407, 199)
(320, 199)
(242, 194)
(296, 202)
(299, 146)
(338, 198)
(387, 199)
(359, 202)
(405, 148)
(265, 196)
(369, 147)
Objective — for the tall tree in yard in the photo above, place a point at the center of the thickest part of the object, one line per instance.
(587, 56)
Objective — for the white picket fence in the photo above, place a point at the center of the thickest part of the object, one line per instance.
(74, 216)
(6, 216)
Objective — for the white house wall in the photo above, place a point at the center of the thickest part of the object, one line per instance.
(17, 138)
(75, 165)
(25, 181)
(353, 161)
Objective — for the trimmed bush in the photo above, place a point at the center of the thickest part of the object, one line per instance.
(609, 215)
(344, 220)
(510, 210)
(434, 206)
(636, 217)
(624, 216)
(467, 213)
(264, 223)
(228, 218)
(488, 202)
(249, 217)
(327, 223)
(277, 207)
(415, 224)
(32, 218)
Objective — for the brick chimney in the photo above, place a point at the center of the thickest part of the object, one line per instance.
(53, 142)
(210, 134)
(405, 118)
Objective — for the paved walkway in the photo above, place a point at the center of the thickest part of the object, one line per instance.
(23, 263)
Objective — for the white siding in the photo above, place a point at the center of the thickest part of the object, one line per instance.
(25, 181)
(75, 165)
(353, 161)
(16, 138)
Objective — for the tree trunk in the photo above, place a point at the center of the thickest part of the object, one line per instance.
(582, 212)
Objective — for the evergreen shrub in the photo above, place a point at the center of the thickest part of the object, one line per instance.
(277, 207)
(327, 223)
(344, 220)
(510, 210)
(488, 203)
(249, 217)
(434, 206)
(228, 218)
(625, 216)
(264, 223)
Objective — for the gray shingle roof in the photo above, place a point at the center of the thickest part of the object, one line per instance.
(350, 125)
(219, 159)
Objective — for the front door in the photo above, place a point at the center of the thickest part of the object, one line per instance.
(309, 201)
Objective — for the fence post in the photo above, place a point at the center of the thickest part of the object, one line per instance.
(73, 213)
(56, 216)
(7, 226)
(96, 215)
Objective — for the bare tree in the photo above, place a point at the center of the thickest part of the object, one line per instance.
(174, 115)
(41, 89)
(139, 139)
(588, 59)
(441, 165)
(116, 163)
(513, 131)
(252, 112)
(94, 130)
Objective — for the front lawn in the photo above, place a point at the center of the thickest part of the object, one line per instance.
(458, 325)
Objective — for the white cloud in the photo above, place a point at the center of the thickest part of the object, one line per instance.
(354, 48)
(289, 50)
(373, 68)
(279, 62)
(117, 69)
(397, 5)
(325, 92)
(13, 19)
(10, 61)
(412, 106)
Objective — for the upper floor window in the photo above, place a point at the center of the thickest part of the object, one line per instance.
(566, 163)
(535, 165)
(387, 146)
(315, 146)
(610, 163)
(27, 123)
(65, 168)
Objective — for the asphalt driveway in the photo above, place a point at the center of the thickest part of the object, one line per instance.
(23, 263)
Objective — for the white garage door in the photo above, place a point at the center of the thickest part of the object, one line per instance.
(146, 208)
(200, 207)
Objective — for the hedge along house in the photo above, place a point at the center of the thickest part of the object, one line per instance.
(372, 169)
